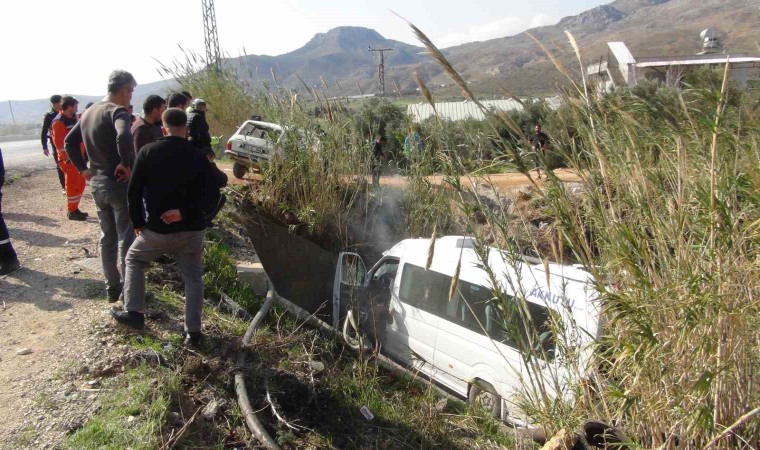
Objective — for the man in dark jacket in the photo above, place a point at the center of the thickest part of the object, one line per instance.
(8, 259)
(378, 157)
(169, 196)
(539, 143)
(198, 132)
(147, 127)
(47, 122)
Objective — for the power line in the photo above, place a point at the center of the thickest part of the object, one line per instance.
(381, 67)
(210, 36)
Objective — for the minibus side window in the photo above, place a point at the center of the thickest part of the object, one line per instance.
(484, 316)
(514, 330)
(424, 289)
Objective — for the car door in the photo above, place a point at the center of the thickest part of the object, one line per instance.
(350, 273)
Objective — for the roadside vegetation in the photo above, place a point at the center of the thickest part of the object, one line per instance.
(666, 218)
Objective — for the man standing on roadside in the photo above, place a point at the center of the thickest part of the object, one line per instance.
(147, 127)
(8, 259)
(47, 121)
(378, 158)
(75, 182)
(170, 193)
(538, 143)
(198, 131)
(105, 130)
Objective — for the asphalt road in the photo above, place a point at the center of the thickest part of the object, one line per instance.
(25, 156)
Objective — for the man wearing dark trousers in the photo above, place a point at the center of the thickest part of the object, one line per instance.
(170, 194)
(105, 129)
(198, 132)
(47, 122)
(8, 259)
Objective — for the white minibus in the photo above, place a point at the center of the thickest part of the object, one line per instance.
(468, 343)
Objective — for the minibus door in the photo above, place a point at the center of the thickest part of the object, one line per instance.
(350, 273)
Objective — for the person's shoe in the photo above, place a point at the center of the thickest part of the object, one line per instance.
(9, 267)
(77, 215)
(193, 338)
(132, 319)
(114, 294)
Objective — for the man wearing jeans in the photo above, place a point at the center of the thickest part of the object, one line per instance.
(170, 193)
(105, 130)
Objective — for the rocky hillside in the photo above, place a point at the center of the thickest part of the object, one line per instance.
(340, 55)
(514, 63)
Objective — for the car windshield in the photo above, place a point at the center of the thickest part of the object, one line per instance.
(260, 132)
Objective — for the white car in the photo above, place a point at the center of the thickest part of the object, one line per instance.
(460, 342)
(252, 145)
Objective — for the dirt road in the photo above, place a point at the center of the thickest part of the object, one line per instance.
(50, 308)
(500, 181)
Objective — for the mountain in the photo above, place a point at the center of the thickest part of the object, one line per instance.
(514, 64)
(648, 27)
(31, 111)
(342, 54)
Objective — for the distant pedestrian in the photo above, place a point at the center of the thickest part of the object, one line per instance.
(75, 182)
(539, 141)
(198, 130)
(169, 194)
(147, 127)
(47, 120)
(8, 259)
(105, 129)
(413, 145)
(378, 157)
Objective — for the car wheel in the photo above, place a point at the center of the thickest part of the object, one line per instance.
(484, 395)
(239, 170)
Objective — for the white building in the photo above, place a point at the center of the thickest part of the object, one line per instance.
(623, 69)
(467, 109)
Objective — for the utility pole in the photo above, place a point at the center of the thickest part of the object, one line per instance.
(210, 36)
(12, 116)
(381, 67)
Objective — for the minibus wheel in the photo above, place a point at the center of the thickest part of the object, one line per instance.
(239, 170)
(484, 395)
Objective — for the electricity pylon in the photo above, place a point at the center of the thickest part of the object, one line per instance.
(210, 37)
(381, 67)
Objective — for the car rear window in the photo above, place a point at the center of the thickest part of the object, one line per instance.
(259, 132)
(474, 307)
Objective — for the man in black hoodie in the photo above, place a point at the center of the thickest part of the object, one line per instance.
(170, 193)
(198, 133)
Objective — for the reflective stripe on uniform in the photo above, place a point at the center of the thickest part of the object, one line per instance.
(6, 241)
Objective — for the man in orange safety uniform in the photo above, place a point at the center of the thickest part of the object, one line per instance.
(74, 181)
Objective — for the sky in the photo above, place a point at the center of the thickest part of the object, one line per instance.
(71, 47)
